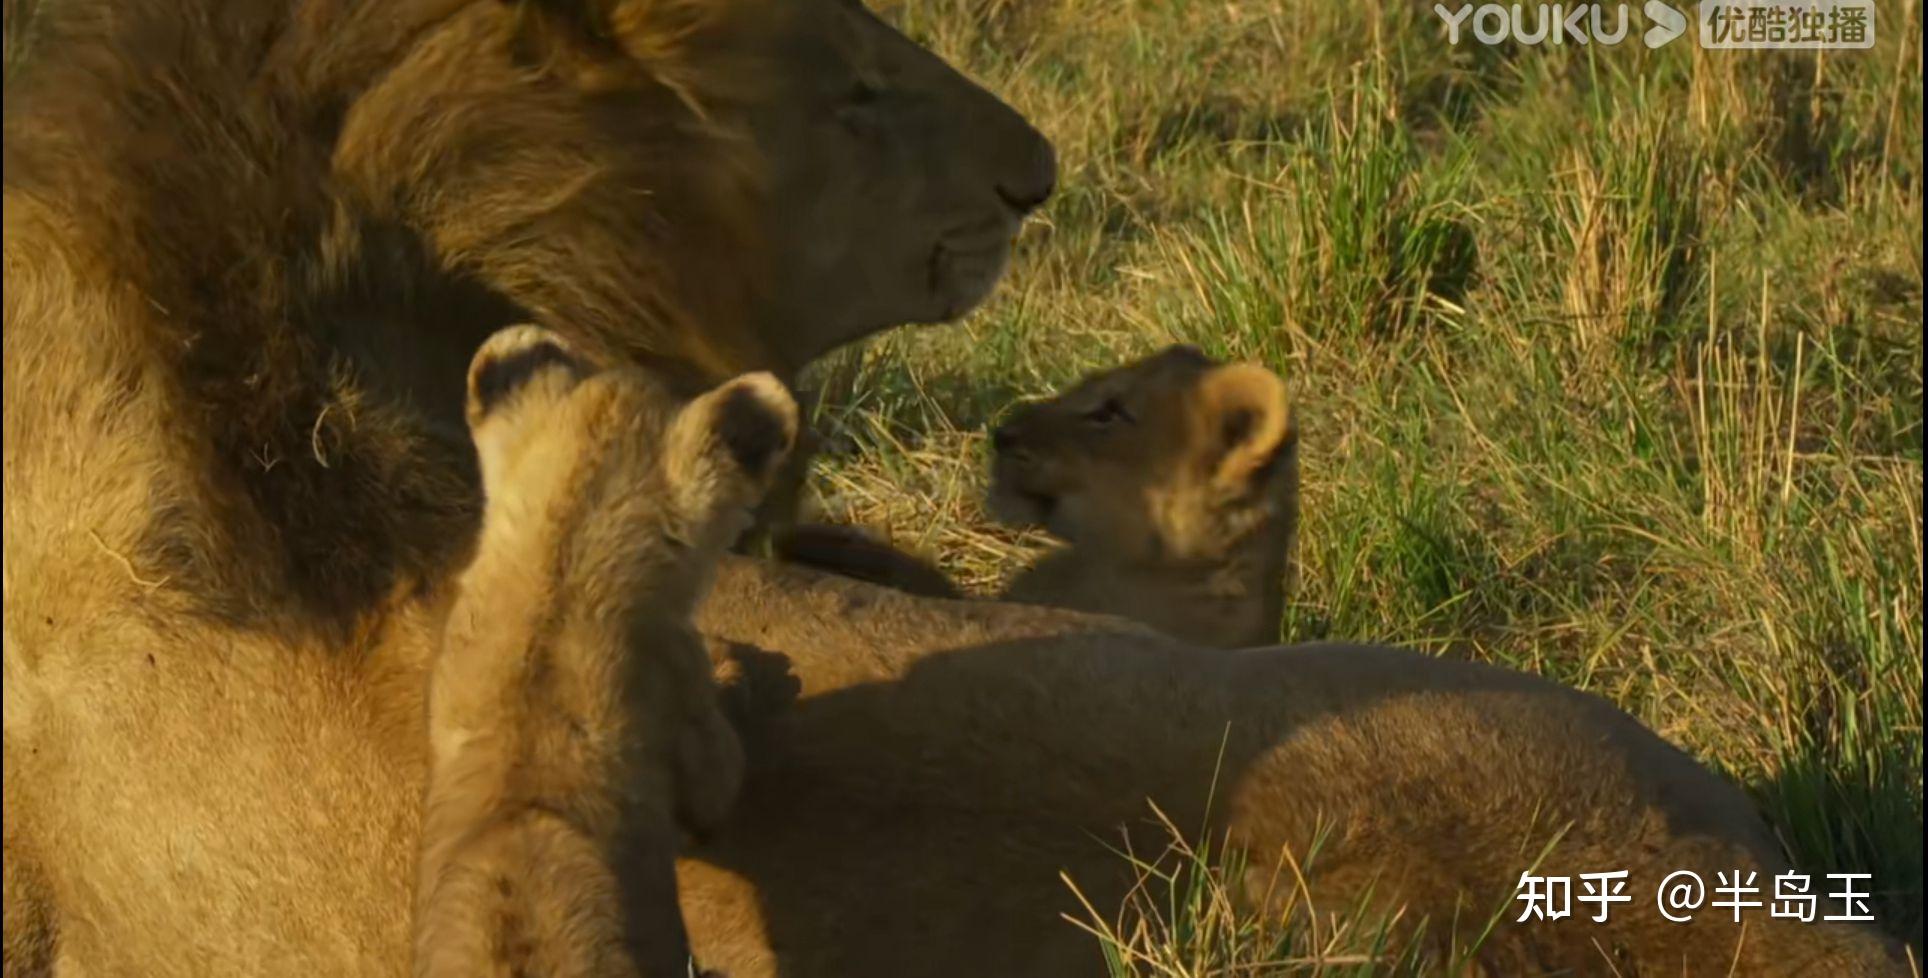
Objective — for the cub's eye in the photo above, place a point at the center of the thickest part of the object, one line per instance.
(1110, 412)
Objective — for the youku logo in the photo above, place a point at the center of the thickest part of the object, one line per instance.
(1556, 23)
(1784, 24)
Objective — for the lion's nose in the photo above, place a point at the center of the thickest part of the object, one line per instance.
(1034, 179)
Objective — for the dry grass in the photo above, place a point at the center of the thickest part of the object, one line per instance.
(1189, 914)
(1610, 359)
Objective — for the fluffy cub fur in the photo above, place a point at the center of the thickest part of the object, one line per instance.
(1174, 482)
(572, 721)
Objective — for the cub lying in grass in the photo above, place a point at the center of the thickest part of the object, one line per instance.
(1174, 482)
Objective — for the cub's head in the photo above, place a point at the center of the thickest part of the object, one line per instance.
(735, 184)
(1173, 457)
(555, 435)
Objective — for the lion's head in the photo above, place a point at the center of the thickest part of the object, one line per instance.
(900, 183)
(301, 218)
(732, 183)
(1171, 458)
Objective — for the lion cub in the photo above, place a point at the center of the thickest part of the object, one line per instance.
(1174, 482)
(572, 720)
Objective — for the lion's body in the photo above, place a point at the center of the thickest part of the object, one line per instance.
(162, 677)
(944, 760)
(162, 674)
(229, 814)
(249, 251)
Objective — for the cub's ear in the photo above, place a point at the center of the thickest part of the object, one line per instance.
(724, 446)
(516, 360)
(1249, 422)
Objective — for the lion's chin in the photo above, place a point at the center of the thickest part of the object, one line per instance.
(963, 273)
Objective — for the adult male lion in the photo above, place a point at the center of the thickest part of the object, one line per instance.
(250, 247)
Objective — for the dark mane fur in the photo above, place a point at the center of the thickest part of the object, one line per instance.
(323, 206)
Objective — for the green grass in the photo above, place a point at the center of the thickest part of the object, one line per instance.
(1185, 918)
(1609, 360)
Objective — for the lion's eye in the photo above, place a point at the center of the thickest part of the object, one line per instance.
(1110, 412)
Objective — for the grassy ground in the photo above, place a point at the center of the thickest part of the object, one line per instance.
(1609, 360)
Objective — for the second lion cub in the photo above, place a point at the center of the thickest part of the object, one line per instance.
(1172, 480)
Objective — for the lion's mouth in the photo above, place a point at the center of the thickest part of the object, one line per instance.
(965, 266)
(1017, 506)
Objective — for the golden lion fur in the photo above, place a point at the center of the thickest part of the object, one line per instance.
(250, 249)
(921, 771)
